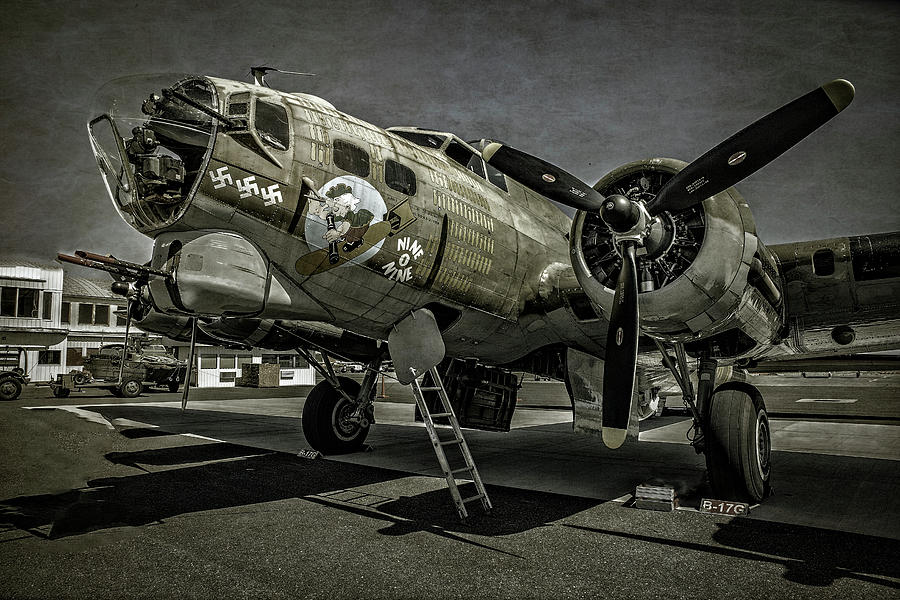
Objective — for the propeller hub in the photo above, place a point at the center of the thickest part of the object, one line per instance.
(620, 214)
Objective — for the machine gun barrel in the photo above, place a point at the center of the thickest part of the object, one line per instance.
(112, 265)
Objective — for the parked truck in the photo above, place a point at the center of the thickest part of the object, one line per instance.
(145, 365)
(12, 375)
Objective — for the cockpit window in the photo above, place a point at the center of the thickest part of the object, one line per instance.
(473, 162)
(493, 175)
(461, 154)
(271, 123)
(428, 140)
(496, 177)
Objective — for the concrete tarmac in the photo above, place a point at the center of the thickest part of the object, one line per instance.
(106, 498)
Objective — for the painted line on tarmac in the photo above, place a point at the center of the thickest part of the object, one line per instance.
(87, 415)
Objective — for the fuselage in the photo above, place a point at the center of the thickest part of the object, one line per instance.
(266, 205)
(417, 217)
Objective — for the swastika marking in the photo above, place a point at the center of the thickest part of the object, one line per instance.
(221, 177)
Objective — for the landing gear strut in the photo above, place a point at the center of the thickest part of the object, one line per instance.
(339, 411)
(731, 427)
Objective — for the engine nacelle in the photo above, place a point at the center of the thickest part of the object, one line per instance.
(702, 272)
(172, 326)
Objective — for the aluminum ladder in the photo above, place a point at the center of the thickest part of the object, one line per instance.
(456, 440)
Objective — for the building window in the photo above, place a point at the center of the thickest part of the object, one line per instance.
(226, 361)
(48, 305)
(8, 302)
(208, 361)
(351, 158)
(227, 376)
(64, 313)
(400, 178)
(300, 362)
(20, 302)
(243, 360)
(286, 361)
(101, 314)
(285, 375)
(48, 357)
(28, 303)
(85, 313)
(74, 357)
(272, 125)
(270, 359)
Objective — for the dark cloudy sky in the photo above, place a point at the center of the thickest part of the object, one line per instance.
(586, 85)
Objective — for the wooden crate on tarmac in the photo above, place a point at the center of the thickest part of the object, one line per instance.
(260, 375)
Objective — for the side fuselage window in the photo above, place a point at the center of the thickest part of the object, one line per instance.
(351, 158)
(823, 262)
(399, 177)
(271, 122)
(239, 104)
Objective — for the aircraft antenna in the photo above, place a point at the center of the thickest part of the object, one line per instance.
(259, 74)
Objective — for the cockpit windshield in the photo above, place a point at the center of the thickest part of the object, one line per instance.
(426, 139)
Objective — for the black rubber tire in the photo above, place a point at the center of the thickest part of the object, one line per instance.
(738, 444)
(79, 378)
(173, 386)
(131, 388)
(61, 392)
(10, 388)
(322, 414)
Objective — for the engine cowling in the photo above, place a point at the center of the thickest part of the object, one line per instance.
(703, 274)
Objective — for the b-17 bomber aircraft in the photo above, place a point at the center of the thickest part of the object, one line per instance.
(280, 222)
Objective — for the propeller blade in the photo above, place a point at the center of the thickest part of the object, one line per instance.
(621, 352)
(542, 177)
(752, 148)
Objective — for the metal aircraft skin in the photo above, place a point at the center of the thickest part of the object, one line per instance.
(282, 222)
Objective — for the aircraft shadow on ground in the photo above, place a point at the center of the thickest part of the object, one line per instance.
(810, 555)
(240, 480)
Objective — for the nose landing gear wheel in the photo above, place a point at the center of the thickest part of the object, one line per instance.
(326, 419)
(738, 445)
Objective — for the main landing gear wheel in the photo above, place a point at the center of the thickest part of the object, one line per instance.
(326, 419)
(738, 444)
(10, 388)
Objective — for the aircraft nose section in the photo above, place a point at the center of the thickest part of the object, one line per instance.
(151, 141)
